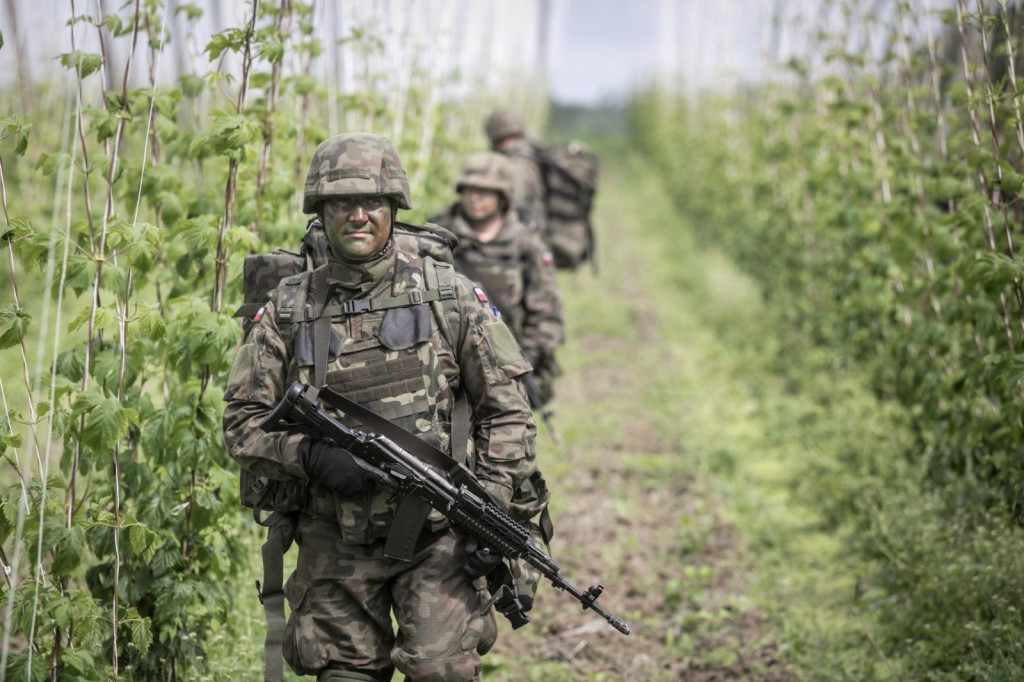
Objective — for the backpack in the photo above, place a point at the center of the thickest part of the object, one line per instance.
(569, 172)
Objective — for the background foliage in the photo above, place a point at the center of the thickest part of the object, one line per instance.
(874, 193)
(128, 205)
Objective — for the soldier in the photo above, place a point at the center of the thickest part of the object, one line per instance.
(387, 351)
(512, 264)
(507, 133)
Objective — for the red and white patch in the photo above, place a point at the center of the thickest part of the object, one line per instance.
(259, 314)
(548, 258)
(480, 295)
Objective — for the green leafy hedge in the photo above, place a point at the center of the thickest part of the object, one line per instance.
(127, 213)
(875, 196)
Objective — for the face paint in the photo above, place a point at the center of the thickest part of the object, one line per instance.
(357, 227)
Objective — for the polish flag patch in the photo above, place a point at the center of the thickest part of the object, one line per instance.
(259, 314)
(480, 295)
(548, 258)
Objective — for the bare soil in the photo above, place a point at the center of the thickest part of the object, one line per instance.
(671, 565)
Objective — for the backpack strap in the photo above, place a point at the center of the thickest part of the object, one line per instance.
(321, 328)
(280, 535)
(440, 276)
(291, 297)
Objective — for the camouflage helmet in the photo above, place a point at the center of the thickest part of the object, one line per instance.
(355, 164)
(503, 124)
(487, 170)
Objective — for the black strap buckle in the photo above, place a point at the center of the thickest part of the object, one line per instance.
(266, 595)
(355, 306)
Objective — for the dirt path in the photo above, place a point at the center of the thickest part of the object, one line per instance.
(631, 511)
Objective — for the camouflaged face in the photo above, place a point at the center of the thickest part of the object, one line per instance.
(487, 170)
(502, 124)
(354, 164)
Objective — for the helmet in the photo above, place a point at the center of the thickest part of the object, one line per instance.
(353, 164)
(487, 170)
(502, 124)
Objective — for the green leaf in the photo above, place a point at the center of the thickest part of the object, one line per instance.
(113, 24)
(141, 629)
(191, 86)
(104, 419)
(14, 325)
(191, 11)
(14, 127)
(273, 51)
(151, 321)
(144, 542)
(85, 63)
(69, 553)
(11, 440)
(106, 318)
(49, 164)
(233, 40)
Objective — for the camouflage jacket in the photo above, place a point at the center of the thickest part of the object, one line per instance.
(517, 271)
(528, 185)
(397, 363)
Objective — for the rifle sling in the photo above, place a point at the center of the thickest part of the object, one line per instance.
(412, 511)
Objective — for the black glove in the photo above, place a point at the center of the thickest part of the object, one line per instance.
(332, 467)
(480, 558)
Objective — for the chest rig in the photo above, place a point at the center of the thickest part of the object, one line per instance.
(377, 351)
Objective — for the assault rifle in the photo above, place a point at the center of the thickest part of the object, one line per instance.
(463, 502)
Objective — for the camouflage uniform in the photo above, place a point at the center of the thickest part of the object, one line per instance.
(507, 134)
(516, 270)
(397, 363)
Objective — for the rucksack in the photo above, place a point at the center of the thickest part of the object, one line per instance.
(569, 172)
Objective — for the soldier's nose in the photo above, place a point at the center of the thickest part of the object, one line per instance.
(358, 215)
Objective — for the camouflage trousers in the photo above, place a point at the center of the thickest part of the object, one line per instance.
(342, 598)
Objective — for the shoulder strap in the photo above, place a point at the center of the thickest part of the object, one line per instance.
(440, 277)
(280, 535)
(449, 317)
(291, 297)
(321, 329)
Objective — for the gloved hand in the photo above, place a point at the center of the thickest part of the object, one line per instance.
(480, 558)
(332, 467)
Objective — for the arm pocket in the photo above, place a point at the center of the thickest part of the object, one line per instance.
(248, 364)
(501, 356)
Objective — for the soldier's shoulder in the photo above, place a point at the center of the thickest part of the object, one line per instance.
(471, 296)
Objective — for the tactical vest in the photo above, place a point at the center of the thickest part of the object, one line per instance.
(292, 274)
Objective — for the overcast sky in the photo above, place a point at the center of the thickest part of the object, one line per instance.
(610, 47)
(599, 48)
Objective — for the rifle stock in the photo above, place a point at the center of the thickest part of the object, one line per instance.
(466, 505)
